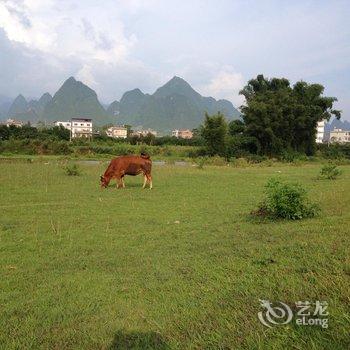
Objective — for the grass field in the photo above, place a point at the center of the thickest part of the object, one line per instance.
(182, 266)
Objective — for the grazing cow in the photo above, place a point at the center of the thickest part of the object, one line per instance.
(128, 165)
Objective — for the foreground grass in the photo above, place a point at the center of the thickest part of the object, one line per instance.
(178, 267)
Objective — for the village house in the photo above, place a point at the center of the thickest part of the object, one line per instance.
(182, 134)
(118, 132)
(79, 127)
(339, 136)
(140, 133)
(14, 122)
(320, 131)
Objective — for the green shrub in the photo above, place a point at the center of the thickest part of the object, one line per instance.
(267, 163)
(329, 172)
(334, 151)
(255, 159)
(290, 156)
(286, 201)
(60, 147)
(216, 160)
(201, 161)
(72, 170)
(240, 163)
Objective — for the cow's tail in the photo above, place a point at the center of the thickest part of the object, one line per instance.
(145, 155)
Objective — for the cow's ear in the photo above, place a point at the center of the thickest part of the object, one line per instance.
(101, 177)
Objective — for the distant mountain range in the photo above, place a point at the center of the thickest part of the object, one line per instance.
(75, 99)
(174, 105)
(335, 123)
(339, 124)
(28, 111)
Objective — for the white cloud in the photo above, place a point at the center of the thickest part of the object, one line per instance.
(225, 84)
(62, 30)
(85, 74)
(75, 39)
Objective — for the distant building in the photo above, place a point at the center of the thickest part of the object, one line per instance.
(339, 136)
(320, 131)
(66, 125)
(182, 134)
(118, 132)
(140, 133)
(14, 122)
(79, 127)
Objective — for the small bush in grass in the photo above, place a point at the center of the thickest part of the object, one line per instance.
(72, 170)
(240, 163)
(201, 161)
(329, 172)
(267, 163)
(217, 161)
(286, 201)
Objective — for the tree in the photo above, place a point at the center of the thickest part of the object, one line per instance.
(284, 118)
(236, 127)
(214, 133)
(60, 132)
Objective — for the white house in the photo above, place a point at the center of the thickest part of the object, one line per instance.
(339, 136)
(79, 127)
(320, 131)
(182, 134)
(118, 132)
(140, 133)
(64, 124)
(14, 122)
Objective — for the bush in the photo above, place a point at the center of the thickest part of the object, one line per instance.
(217, 161)
(289, 156)
(334, 151)
(201, 161)
(72, 170)
(286, 201)
(240, 163)
(329, 172)
(60, 147)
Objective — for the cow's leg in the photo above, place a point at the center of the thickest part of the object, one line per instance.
(119, 182)
(149, 178)
(144, 181)
(123, 182)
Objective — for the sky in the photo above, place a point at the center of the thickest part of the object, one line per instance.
(217, 46)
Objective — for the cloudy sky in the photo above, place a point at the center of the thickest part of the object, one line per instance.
(216, 45)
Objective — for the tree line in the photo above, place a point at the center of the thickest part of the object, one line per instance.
(276, 118)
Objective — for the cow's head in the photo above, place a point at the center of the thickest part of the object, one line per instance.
(103, 182)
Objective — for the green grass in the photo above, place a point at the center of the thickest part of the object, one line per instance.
(182, 266)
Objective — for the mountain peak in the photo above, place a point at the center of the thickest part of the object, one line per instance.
(175, 78)
(74, 99)
(178, 81)
(70, 80)
(18, 106)
(20, 97)
(136, 91)
(131, 95)
(178, 86)
(46, 97)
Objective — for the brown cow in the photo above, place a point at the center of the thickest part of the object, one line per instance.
(128, 165)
